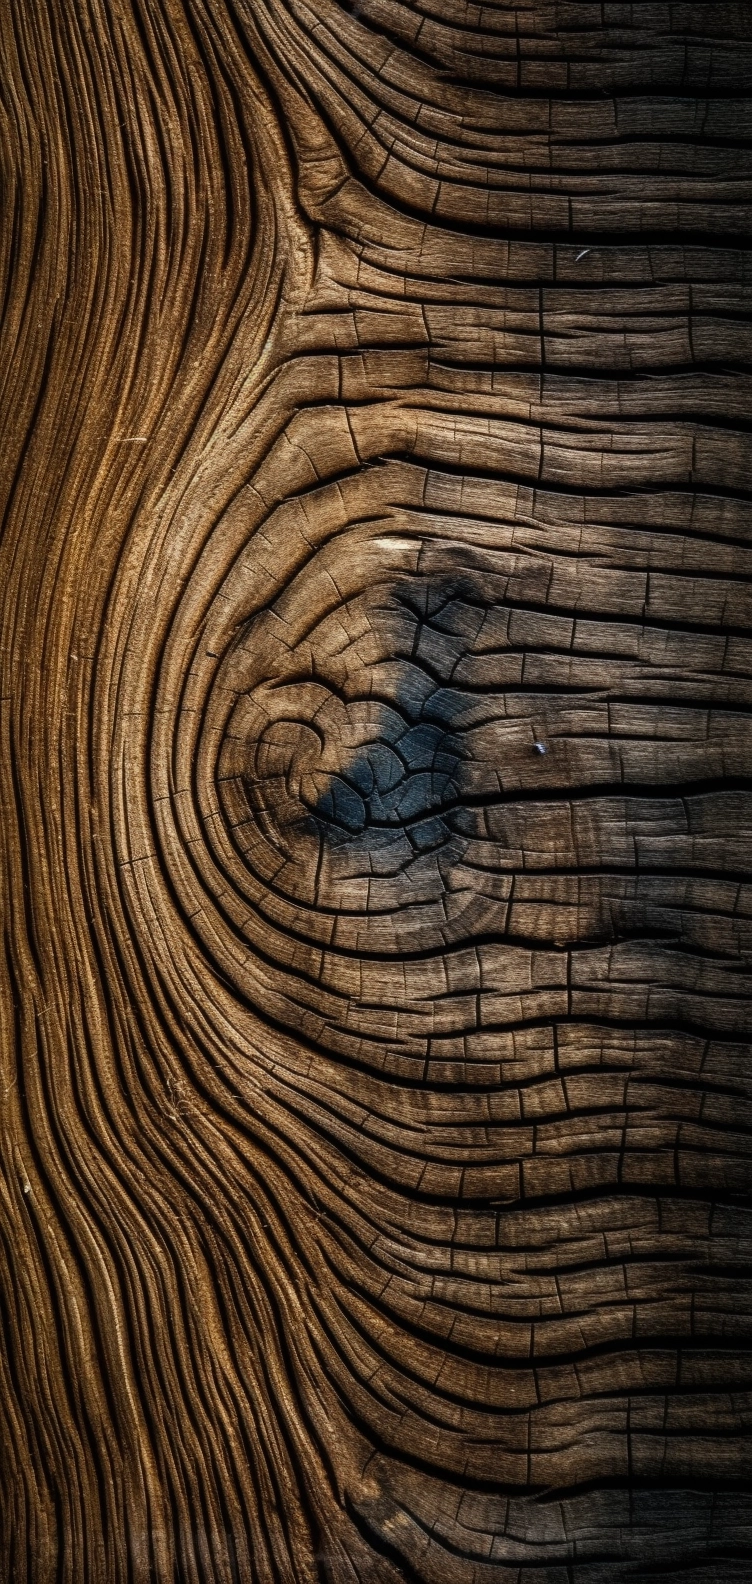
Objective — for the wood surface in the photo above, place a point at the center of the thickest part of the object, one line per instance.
(376, 775)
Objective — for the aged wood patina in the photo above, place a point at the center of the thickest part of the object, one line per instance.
(376, 792)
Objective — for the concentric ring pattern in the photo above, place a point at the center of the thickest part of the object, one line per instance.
(376, 786)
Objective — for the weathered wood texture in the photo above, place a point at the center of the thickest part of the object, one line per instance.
(376, 792)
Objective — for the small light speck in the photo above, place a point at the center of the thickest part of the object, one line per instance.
(540, 747)
(583, 254)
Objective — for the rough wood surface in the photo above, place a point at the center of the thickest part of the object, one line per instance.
(376, 795)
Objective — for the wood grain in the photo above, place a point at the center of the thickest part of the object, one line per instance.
(376, 801)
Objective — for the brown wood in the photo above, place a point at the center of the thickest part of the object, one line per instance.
(376, 792)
